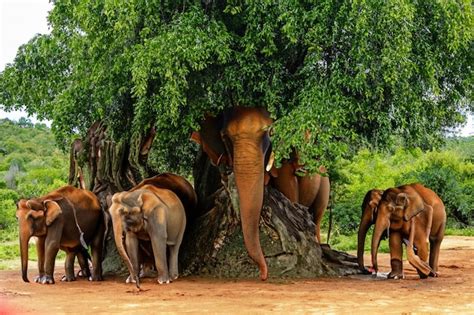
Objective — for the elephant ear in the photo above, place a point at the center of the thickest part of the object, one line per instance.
(35, 214)
(147, 201)
(411, 205)
(117, 197)
(53, 210)
(402, 200)
(34, 204)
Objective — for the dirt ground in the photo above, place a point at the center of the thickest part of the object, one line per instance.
(452, 292)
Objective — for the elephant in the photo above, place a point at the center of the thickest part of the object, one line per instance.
(311, 191)
(239, 138)
(154, 214)
(415, 212)
(66, 218)
(368, 217)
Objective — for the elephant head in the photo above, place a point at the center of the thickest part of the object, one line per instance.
(397, 205)
(34, 216)
(369, 215)
(240, 139)
(129, 213)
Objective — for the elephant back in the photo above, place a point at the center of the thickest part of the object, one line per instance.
(177, 184)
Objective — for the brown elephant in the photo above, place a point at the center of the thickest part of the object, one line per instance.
(239, 138)
(311, 191)
(57, 220)
(367, 219)
(415, 215)
(153, 214)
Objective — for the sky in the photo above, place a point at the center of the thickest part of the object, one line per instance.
(20, 20)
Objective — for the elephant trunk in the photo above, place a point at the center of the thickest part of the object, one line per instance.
(249, 178)
(380, 226)
(364, 226)
(24, 240)
(118, 232)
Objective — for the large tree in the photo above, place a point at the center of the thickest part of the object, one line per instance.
(335, 75)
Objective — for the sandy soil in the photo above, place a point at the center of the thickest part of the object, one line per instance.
(452, 292)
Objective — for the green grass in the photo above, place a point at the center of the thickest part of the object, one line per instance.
(468, 231)
(349, 242)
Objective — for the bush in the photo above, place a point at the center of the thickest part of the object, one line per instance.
(7, 213)
(449, 172)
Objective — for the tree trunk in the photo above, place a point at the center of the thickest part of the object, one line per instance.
(105, 167)
(214, 245)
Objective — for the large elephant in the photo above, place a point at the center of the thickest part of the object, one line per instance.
(311, 191)
(239, 138)
(367, 219)
(415, 215)
(154, 214)
(57, 220)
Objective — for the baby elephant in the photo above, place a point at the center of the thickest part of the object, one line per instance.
(157, 216)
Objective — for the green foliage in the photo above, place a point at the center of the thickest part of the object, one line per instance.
(40, 167)
(30, 165)
(346, 73)
(449, 172)
(348, 242)
(469, 231)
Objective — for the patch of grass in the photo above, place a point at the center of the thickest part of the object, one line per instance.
(347, 243)
(9, 234)
(468, 231)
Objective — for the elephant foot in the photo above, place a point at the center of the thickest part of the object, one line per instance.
(163, 280)
(396, 275)
(397, 269)
(47, 280)
(65, 278)
(96, 278)
(174, 277)
(130, 280)
(38, 278)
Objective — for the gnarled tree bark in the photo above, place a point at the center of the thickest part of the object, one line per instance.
(214, 244)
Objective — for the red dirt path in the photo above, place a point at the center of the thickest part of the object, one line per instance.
(452, 292)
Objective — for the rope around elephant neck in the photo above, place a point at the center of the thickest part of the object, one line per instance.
(81, 234)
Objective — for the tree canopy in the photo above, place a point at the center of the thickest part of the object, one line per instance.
(338, 74)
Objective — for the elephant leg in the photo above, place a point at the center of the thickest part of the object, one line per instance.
(320, 204)
(40, 252)
(96, 249)
(396, 255)
(435, 246)
(84, 264)
(287, 182)
(131, 243)
(69, 266)
(158, 242)
(173, 262)
(51, 250)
